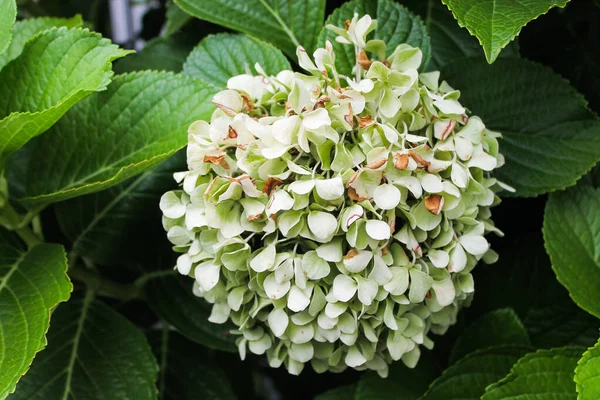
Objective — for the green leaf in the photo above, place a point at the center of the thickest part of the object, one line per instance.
(395, 25)
(24, 30)
(339, 393)
(63, 66)
(186, 312)
(449, 42)
(176, 18)
(100, 223)
(572, 238)
(587, 374)
(551, 138)
(187, 370)
(219, 57)
(141, 120)
(468, 378)
(32, 283)
(160, 54)
(543, 375)
(286, 24)
(402, 383)
(8, 14)
(93, 352)
(499, 327)
(496, 22)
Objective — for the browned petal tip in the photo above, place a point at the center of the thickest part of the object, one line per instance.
(386, 63)
(231, 133)
(419, 159)
(376, 164)
(270, 184)
(354, 196)
(240, 178)
(434, 203)
(248, 106)
(254, 217)
(351, 254)
(401, 161)
(384, 251)
(352, 178)
(448, 129)
(347, 24)
(365, 121)
(363, 60)
(217, 159)
(349, 118)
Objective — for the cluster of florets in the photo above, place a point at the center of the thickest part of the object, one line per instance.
(336, 220)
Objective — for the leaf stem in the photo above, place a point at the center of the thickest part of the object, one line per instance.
(103, 286)
(13, 221)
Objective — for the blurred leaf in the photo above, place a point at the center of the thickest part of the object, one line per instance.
(63, 66)
(32, 283)
(99, 224)
(499, 327)
(543, 375)
(572, 238)
(402, 383)
(186, 312)
(587, 374)
(176, 18)
(449, 42)
(24, 30)
(395, 25)
(340, 393)
(495, 23)
(187, 370)
(160, 54)
(222, 56)
(548, 144)
(138, 122)
(285, 24)
(468, 378)
(8, 14)
(93, 352)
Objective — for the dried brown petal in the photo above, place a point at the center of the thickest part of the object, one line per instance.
(401, 161)
(376, 164)
(347, 24)
(434, 203)
(351, 254)
(215, 159)
(349, 118)
(270, 185)
(365, 121)
(248, 106)
(353, 178)
(419, 159)
(231, 133)
(254, 217)
(363, 60)
(354, 196)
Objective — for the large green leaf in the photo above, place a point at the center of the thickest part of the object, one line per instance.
(551, 138)
(8, 14)
(141, 120)
(160, 54)
(449, 42)
(99, 223)
(219, 57)
(24, 30)
(286, 24)
(63, 66)
(496, 22)
(499, 327)
(339, 393)
(395, 25)
(186, 312)
(187, 370)
(402, 383)
(587, 374)
(543, 375)
(176, 18)
(93, 353)
(32, 283)
(468, 378)
(572, 237)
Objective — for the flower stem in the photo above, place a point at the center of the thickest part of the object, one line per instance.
(103, 286)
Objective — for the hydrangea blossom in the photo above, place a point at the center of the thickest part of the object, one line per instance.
(336, 220)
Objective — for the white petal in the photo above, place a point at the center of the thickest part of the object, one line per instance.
(367, 290)
(483, 160)
(357, 260)
(330, 189)
(219, 313)
(412, 184)
(207, 275)
(280, 200)
(458, 259)
(316, 119)
(278, 321)
(474, 244)
(432, 183)
(386, 196)
(275, 290)
(331, 251)
(459, 176)
(184, 264)
(229, 101)
(284, 129)
(297, 299)
(449, 106)
(380, 272)
(314, 266)
(322, 224)
(264, 259)
(378, 230)
(301, 352)
(444, 292)
(344, 288)
(350, 215)
(302, 187)
(464, 148)
(354, 358)
(172, 206)
(438, 258)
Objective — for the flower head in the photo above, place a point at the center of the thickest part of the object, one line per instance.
(336, 220)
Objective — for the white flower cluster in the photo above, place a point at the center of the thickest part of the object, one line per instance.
(336, 220)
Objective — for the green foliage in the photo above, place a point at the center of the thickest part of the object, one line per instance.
(285, 24)
(8, 14)
(219, 57)
(587, 374)
(32, 283)
(495, 23)
(93, 352)
(176, 18)
(143, 114)
(63, 66)
(396, 24)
